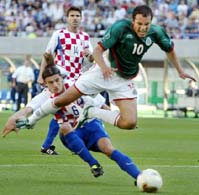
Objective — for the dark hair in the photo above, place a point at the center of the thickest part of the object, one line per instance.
(50, 71)
(144, 10)
(73, 8)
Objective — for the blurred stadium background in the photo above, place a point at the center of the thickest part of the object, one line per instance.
(26, 25)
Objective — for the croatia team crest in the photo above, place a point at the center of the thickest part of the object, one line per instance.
(148, 41)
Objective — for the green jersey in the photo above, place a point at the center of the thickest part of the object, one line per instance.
(126, 49)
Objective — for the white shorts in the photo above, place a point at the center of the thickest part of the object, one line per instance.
(92, 82)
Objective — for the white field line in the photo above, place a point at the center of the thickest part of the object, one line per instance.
(76, 165)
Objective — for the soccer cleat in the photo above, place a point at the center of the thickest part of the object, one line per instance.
(23, 124)
(135, 183)
(83, 116)
(97, 170)
(49, 151)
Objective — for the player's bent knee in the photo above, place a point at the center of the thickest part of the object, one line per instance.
(127, 121)
(65, 129)
(129, 125)
(108, 151)
(105, 146)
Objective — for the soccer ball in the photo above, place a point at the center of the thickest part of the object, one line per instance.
(149, 180)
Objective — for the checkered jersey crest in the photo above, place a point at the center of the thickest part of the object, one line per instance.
(69, 51)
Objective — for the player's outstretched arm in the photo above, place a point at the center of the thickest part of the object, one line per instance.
(45, 109)
(175, 61)
(11, 122)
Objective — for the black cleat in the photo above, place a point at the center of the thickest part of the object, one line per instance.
(49, 151)
(135, 183)
(97, 170)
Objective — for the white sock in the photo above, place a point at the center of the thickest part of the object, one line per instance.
(108, 116)
(47, 108)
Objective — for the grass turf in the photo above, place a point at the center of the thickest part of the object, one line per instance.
(168, 145)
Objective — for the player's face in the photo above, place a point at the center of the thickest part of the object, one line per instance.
(74, 19)
(55, 83)
(141, 25)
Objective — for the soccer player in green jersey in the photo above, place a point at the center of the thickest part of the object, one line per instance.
(127, 41)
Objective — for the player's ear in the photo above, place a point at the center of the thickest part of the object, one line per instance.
(45, 84)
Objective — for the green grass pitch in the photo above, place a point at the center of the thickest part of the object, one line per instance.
(170, 146)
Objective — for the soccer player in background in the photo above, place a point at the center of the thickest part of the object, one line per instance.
(127, 41)
(69, 46)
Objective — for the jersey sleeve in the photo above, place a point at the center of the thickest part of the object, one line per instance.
(163, 40)
(112, 35)
(52, 44)
(39, 99)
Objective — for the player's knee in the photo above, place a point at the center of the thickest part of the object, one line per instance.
(106, 146)
(108, 151)
(127, 124)
(132, 125)
(65, 129)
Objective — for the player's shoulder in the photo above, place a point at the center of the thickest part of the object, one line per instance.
(121, 26)
(85, 34)
(156, 29)
(56, 34)
(61, 31)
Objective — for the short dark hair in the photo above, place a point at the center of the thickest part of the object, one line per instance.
(144, 10)
(73, 8)
(50, 71)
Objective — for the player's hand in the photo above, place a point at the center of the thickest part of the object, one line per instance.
(184, 75)
(40, 80)
(9, 127)
(86, 52)
(108, 72)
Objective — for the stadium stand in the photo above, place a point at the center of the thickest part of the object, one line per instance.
(38, 18)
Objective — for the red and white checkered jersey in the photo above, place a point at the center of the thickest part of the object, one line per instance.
(71, 112)
(68, 49)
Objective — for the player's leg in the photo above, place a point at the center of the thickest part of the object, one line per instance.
(25, 94)
(124, 118)
(128, 113)
(121, 91)
(98, 140)
(75, 144)
(47, 147)
(124, 162)
(19, 90)
(69, 96)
